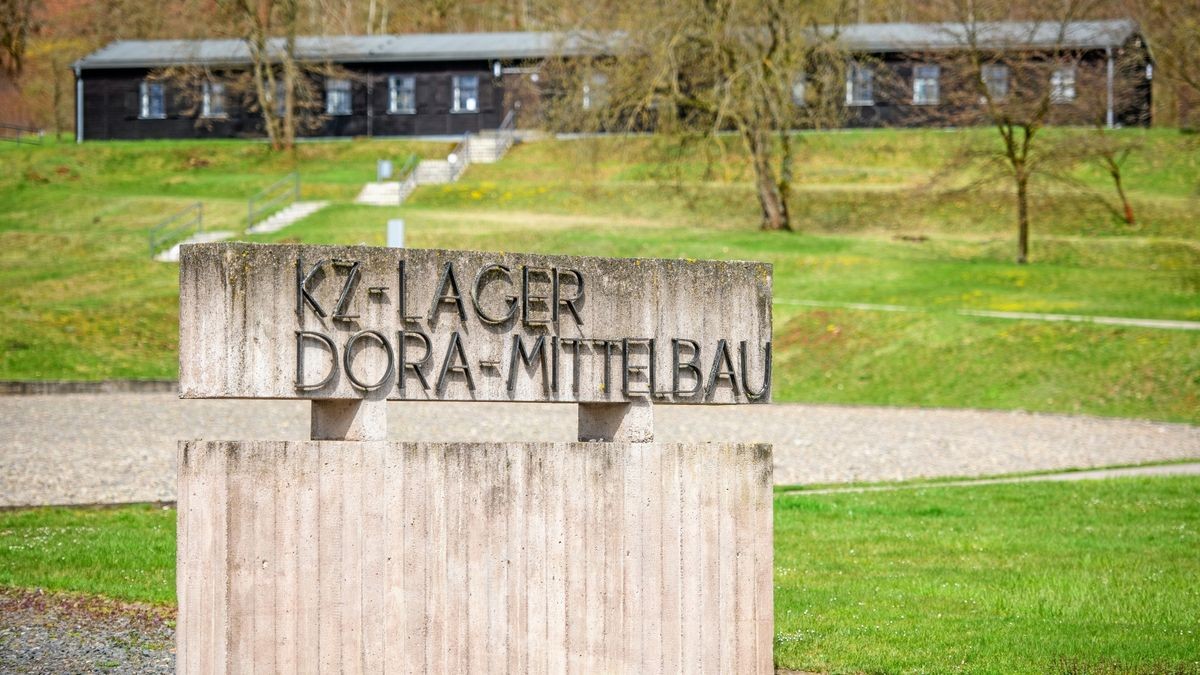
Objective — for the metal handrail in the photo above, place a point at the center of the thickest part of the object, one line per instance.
(459, 158)
(170, 229)
(409, 166)
(507, 132)
(39, 134)
(408, 176)
(264, 200)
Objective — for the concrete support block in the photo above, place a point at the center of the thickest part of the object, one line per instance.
(327, 556)
(349, 420)
(631, 422)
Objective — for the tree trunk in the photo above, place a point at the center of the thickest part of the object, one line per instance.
(270, 105)
(287, 136)
(1129, 218)
(773, 204)
(264, 84)
(1022, 219)
(772, 200)
(58, 98)
(290, 12)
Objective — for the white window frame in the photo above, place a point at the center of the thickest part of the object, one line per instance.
(860, 84)
(396, 85)
(925, 84)
(1062, 85)
(460, 99)
(145, 109)
(800, 90)
(210, 93)
(338, 90)
(595, 91)
(996, 79)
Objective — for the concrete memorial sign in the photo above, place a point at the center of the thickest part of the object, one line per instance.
(352, 553)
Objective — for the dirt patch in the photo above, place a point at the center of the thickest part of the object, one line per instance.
(815, 328)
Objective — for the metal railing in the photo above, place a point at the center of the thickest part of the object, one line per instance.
(408, 177)
(506, 134)
(19, 133)
(459, 158)
(279, 194)
(176, 227)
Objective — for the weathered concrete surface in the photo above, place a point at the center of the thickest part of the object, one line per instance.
(631, 422)
(242, 305)
(349, 420)
(474, 557)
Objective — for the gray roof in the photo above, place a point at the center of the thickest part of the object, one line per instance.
(341, 49)
(903, 37)
(871, 37)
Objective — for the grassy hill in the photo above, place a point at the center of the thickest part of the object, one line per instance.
(878, 221)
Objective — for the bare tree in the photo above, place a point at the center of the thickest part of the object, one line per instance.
(194, 86)
(1172, 28)
(273, 69)
(280, 85)
(686, 69)
(1111, 152)
(17, 24)
(1102, 95)
(1017, 77)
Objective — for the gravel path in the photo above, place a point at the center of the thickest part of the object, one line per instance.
(1166, 324)
(90, 448)
(55, 633)
(1182, 469)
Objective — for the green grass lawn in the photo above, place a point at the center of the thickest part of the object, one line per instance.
(1093, 576)
(126, 552)
(81, 300)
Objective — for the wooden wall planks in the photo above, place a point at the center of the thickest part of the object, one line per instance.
(487, 557)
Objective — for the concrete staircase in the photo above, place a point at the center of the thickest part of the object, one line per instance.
(281, 219)
(435, 172)
(386, 193)
(485, 147)
(190, 221)
(172, 254)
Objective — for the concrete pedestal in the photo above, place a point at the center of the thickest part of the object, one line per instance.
(380, 557)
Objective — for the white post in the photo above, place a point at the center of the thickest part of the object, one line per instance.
(1109, 113)
(395, 233)
(78, 104)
